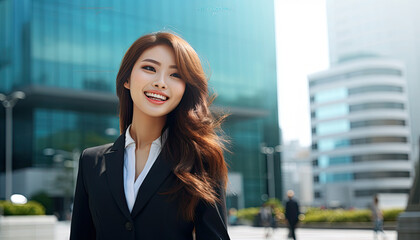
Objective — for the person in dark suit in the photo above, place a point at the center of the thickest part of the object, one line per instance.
(292, 213)
(165, 176)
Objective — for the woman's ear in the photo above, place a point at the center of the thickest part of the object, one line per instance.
(127, 84)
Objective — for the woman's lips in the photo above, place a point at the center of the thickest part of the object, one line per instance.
(156, 97)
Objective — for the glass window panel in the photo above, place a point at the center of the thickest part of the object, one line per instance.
(372, 192)
(330, 95)
(378, 175)
(375, 88)
(377, 122)
(335, 177)
(331, 111)
(331, 144)
(376, 105)
(325, 128)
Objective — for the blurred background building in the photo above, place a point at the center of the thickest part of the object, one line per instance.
(365, 124)
(361, 133)
(297, 172)
(385, 28)
(65, 56)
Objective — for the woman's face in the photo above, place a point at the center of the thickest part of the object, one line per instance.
(155, 85)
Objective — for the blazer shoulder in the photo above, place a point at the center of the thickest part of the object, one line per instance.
(96, 151)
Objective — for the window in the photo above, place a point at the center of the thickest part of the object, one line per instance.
(358, 73)
(375, 88)
(378, 175)
(335, 177)
(331, 111)
(384, 139)
(371, 192)
(331, 144)
(330, 95)
(377, 122)
(332, 127)
(380, 157)
(376, 105)
(326, 161)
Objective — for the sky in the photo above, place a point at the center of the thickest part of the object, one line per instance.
(302, 49)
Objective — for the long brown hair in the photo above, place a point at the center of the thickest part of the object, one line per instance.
(193, 143)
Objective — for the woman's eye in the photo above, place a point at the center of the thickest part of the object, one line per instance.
(176, 75)
(149, 68)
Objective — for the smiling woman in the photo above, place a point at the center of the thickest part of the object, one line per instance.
(165, 176)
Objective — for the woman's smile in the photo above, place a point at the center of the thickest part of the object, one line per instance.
(156, 97)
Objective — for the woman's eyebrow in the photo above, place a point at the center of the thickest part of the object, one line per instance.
(156, 62)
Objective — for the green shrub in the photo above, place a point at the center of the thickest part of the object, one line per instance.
(392, 214)
(252, 212)
(29, 208)
(45, 200)
(323, 215)
(275, 204)
(337, 215)
(248, 213)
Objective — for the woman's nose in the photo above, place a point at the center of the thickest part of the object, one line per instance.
(160, 82)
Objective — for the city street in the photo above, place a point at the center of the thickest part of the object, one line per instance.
(252, 233)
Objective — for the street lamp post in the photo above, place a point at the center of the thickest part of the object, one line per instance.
(8, 103)
(269, 152)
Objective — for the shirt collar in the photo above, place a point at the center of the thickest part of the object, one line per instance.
(129, 140)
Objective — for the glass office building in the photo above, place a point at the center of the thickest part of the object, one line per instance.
(65, 56)
(361, 133)
(376, 27)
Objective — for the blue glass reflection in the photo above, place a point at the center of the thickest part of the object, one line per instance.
(330, 95)
(331, 144)
(335, 177)
(331, 127)
(332, 111)
(325, 161)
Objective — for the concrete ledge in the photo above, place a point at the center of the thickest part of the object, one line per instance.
(27, 227)
(409, 226)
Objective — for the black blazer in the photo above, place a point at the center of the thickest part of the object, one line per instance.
(100, 209)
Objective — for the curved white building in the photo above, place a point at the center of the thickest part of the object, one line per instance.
(360, 132)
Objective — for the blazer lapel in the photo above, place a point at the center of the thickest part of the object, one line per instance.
(156, 176)
(114, 171)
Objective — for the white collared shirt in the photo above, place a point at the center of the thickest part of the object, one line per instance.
(132, 185)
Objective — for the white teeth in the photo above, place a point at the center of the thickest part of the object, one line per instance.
(154, 95)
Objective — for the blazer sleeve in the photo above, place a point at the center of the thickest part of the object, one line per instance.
(81, 222)
(210, 221)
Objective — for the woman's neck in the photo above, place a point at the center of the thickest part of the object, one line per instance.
(145, 129)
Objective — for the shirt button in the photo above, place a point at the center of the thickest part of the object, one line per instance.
(128, 226)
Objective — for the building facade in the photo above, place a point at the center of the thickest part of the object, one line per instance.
(297, 172)
(357, 27)
(360, 132)
(65, 56)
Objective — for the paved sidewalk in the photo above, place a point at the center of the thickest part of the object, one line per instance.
(248, 233)
(253, 233)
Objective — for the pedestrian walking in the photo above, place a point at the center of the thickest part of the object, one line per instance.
(266, 215)
(378, 219)
(292, 214)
